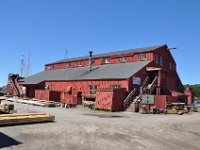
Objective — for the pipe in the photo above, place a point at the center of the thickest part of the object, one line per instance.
(90, 60)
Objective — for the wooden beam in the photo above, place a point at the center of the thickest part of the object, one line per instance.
(15, 119)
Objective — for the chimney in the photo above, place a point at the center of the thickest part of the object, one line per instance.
(90, 60)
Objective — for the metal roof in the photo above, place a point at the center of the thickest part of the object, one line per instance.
(108, 71)
(137, 50)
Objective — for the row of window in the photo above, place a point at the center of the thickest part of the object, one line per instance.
(104, 61)
(79, 63)
(93, 88)
(159, 60)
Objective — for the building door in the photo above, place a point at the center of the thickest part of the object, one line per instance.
(79, 98)
(152, 75)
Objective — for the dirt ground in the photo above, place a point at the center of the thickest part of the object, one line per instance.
(84, 129)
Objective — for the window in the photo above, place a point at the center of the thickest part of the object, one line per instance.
(49, 67)
(67, 65)
(170, 65)
(122, 59)
(115, 86)
(106, 60)
(57, 67)
(142, 56)
(91, 62)
(47, 87)
(78, 64)
(161, 61)
(93, 89)
(156, 58)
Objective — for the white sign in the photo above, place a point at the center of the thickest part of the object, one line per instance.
(136, 80)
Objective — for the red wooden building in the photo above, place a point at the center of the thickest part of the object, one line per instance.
(112, 80)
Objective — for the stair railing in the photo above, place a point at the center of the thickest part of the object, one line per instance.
(128, 99)
(153, 85)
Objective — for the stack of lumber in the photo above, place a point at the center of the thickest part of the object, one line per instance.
(35, 102)
(2, 98)
(15, 119)
(172, 111)
(6, 108)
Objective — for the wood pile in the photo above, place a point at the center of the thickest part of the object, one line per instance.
(16, 119)
(6, 108)
(36, 102)
(2, 98)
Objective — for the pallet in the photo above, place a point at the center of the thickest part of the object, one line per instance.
(26, 118)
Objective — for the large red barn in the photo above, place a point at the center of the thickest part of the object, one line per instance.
(112, 80)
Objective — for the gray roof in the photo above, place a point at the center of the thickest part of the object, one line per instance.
(137, 50)
(108, 71)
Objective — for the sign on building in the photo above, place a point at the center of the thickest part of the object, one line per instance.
(136, 80)
(147, 99)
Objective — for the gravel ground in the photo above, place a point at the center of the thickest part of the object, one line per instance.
(84, 129)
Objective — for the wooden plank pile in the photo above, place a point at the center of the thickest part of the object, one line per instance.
(16, 119)
(2, 98)
(36, 102)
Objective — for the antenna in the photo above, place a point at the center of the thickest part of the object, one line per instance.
(66, 53)
(22, 65)
(28, 67)
(172, 48)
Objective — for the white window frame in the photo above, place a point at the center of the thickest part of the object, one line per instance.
(49, 68)
(106, 60)
(142, 56)
(122, 59)
(57, 67)
(67, 65)
(78, 64)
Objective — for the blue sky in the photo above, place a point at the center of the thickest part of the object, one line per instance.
(45, 28)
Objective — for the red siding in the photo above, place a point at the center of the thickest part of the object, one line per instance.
(42, 94)
(110, 99)
(81, 86)
(189, 93)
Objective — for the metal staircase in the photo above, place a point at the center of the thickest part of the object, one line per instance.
(147, 88)
(150, 87)
(128, 100)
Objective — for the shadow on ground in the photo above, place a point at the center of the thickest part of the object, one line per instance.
(104, 115)
(6, 141)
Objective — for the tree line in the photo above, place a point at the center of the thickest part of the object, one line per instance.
(195, 89)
